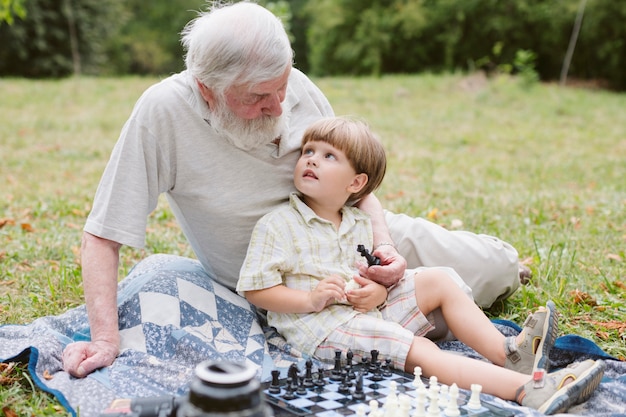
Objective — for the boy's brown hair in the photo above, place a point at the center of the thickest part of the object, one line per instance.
(362, 147)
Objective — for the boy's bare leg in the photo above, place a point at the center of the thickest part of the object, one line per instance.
(434, 289)
(451, 368)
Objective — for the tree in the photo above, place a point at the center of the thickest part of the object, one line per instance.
(9, 9)
(58, 37)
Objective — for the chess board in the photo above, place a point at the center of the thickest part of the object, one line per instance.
(326, 394)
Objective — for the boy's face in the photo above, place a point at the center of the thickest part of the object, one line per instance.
(323, 174)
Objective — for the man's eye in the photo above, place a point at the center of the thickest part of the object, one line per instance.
(252, 100)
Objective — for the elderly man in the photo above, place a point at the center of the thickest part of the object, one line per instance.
(221, 139)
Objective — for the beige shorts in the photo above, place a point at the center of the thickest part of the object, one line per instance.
(391, 333)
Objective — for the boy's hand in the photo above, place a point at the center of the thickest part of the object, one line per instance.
(369, 296)
(327, 291)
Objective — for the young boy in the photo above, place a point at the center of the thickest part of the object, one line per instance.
(301, 257)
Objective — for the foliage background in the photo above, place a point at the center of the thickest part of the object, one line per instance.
(56, 38)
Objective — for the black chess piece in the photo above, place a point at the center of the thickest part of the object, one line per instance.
(320, 381)
(301, 389)
(335, 374)
(387, 368)
(371, 259)
(308, 374)
(289, 389)
(359, 394)
(373, 360)
(274, 387)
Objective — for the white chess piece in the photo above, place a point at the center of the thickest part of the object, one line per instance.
(393, 390)
(373, 408)
(420, 402)
(360, 410)
(417, 382)
(443, 396)
(391, 405)
(474, 401)
(452, 410)
(433, 397)
(404, 406)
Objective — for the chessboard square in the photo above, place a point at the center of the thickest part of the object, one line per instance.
(330, 404)
(328, 413)
(332, 395)
(301, 402)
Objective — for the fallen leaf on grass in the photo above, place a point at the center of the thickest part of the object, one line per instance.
(432, 214)
(8, 412)
(5, 370)
(581, 297)
(614, 257)
(27, 227)
(6, 222)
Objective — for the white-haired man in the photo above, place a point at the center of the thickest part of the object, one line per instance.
(220, 140)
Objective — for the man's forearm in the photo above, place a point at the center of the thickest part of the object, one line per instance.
(372, 206)
(100, 260)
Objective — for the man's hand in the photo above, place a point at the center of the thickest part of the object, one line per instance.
(369, 296)
(391, 268)
(82, 358)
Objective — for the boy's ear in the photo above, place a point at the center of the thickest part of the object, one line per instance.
(358, 183)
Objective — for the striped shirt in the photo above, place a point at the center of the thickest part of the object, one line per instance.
(294, 247)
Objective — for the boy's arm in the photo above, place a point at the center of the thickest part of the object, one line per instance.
(281, 299)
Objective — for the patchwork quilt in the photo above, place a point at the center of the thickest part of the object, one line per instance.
(172, 317)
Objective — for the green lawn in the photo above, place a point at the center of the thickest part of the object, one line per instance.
(539, 166)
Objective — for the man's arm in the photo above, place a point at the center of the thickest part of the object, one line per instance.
(100, 260)
(392, 264)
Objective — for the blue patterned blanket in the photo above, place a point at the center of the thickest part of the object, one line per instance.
(172, 317)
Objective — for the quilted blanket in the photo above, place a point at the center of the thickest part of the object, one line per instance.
(172, 316)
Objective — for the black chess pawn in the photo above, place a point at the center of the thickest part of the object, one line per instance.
(344, 387)
(289, 389)
(349, 367)
(320, 381)
(387, 368)
(301, 389)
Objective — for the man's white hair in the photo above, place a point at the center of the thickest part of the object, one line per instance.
(236, 44)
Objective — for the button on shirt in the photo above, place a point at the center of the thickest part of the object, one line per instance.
(293, 246)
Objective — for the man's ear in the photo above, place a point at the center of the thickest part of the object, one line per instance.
(359, 181)
(207, 94)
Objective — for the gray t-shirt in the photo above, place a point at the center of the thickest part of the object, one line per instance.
(216, 190)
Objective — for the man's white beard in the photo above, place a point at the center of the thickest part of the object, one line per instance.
(246, 134)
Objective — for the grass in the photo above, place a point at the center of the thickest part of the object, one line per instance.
(540, 166)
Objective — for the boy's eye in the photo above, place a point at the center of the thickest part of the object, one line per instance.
(330, 156)
(307, 151)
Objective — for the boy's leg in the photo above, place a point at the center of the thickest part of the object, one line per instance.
(435, 290)
(451, 368)
(559, 391)
(487, 264)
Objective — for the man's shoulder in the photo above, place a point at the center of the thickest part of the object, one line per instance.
(169, 91)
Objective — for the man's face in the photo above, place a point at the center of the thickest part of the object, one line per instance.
(261, 100)
(249, 117)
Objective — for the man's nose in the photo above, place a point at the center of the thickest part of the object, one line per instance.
(272, 106)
